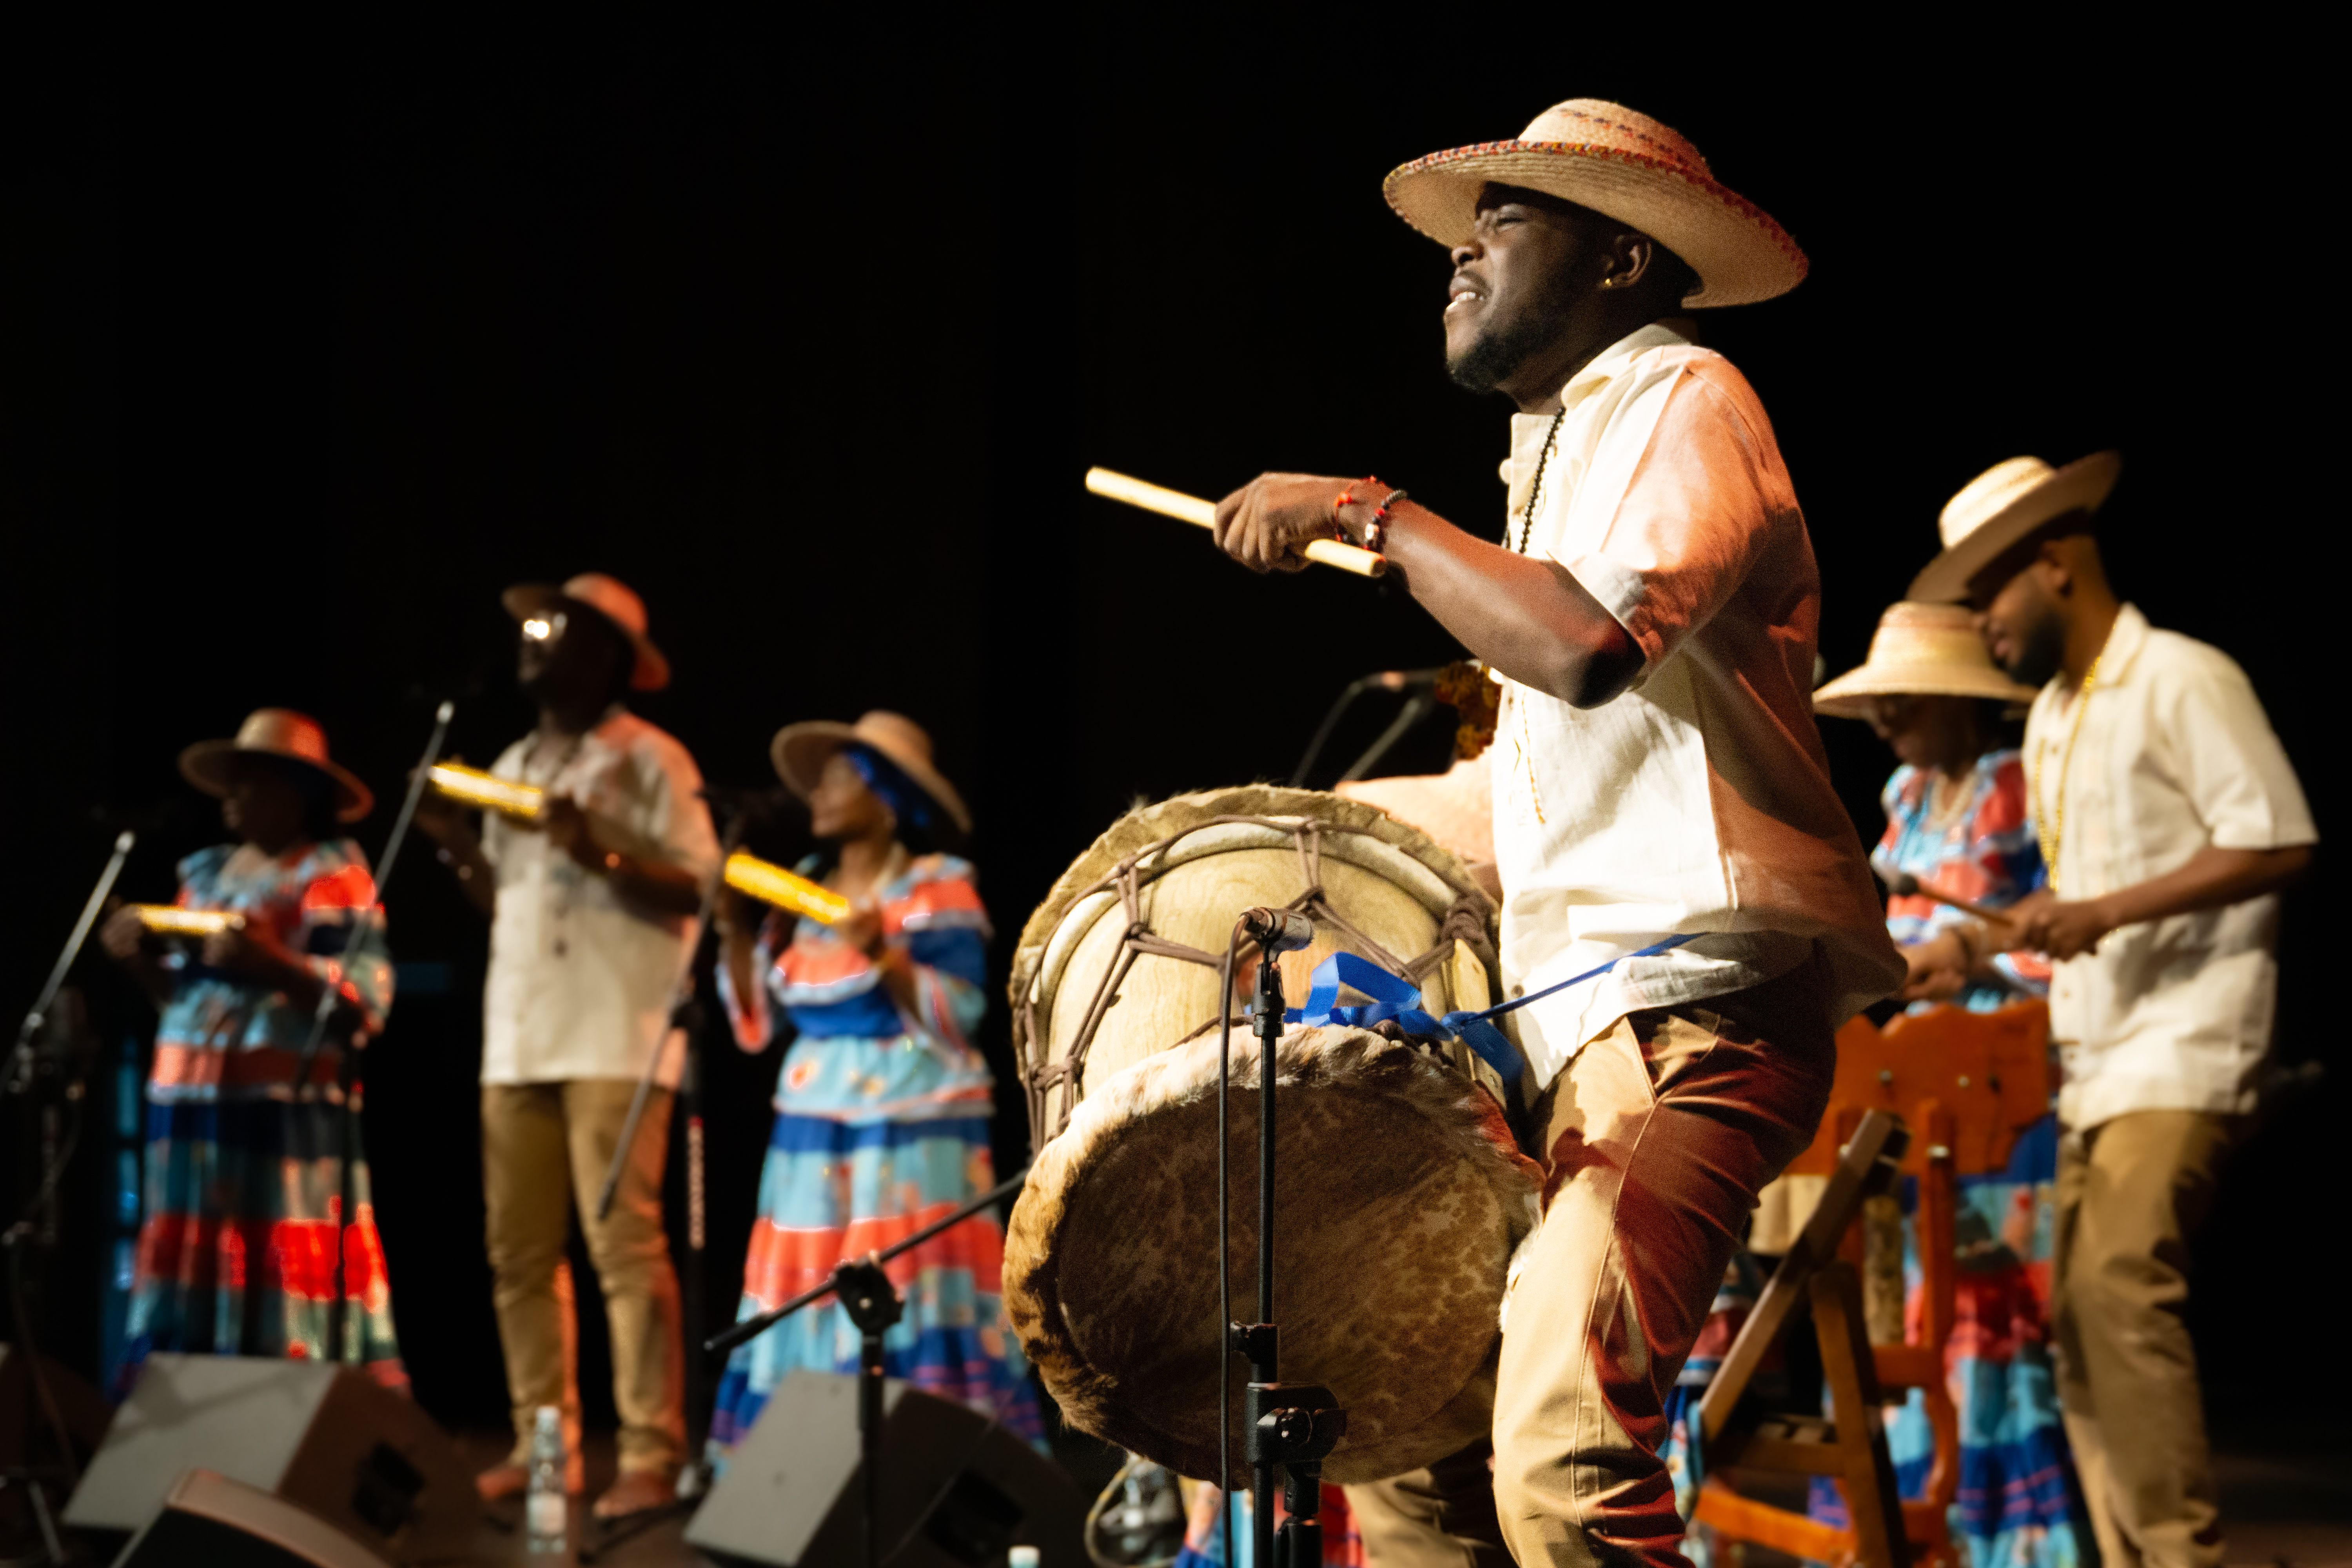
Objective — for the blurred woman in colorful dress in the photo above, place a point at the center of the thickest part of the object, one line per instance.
(883, 1105)
(244, 1184)
(1957, 820)
(1956, 805)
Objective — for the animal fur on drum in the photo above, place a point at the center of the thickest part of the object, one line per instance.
(1402, 1198)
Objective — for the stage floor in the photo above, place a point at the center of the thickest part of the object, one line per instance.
(499, 1539)
(2282, 1509)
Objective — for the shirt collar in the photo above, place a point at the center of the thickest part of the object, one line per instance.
(1610, 361)
(2124, 639)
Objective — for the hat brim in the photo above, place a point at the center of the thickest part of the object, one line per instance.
(801, 750)
(2080, 486)
(208, 764)
(524, 600)
(1740, 254)
(1849, 696)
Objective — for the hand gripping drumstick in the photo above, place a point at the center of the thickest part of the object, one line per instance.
(1904, 885)
(1203, 514)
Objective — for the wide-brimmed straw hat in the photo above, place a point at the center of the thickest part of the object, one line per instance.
(2001, 505)
(1625, 165)
(800, 752)
(1920, 650)
(609, 597)
(275, 732)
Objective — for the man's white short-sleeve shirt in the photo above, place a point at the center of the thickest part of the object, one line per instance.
(579, 980)
(1698, 801)
(2174, 753)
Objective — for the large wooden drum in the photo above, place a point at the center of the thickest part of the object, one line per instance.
(1402, 1194)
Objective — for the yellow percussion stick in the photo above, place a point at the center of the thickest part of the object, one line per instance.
(770, 884)
(170, 919)
(773, 884)
(475, 787)
(1203, 514)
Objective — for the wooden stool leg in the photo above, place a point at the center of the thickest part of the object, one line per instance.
(1872, 1496)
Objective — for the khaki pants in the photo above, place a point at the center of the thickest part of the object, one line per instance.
(2131, 1192)
(1656, 1139)
(542, 1146)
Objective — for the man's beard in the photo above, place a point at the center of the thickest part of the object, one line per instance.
(2041, 652)
(1493, 357)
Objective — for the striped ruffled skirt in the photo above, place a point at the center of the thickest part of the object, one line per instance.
(834, 1189)
(237, 1247)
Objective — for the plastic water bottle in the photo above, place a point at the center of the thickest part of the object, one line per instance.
(546, 1515)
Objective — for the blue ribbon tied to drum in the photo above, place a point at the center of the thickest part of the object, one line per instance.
(1394, 998)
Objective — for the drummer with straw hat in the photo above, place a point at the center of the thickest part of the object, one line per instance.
(1651, 607)
(1955, 817)
(2171, 820)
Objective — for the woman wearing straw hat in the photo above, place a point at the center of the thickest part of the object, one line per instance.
(1956, 812)
(1686, 905)
(1956, 821)
(237, 1245)
(883, 1105)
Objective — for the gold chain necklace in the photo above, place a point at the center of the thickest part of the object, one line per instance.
(2054, 834)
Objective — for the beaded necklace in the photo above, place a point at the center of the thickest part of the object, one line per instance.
(2053, 836)
(1535, 495)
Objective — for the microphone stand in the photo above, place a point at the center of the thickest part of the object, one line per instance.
(685, 1016)
(354, 950)
(872, 1302)
(1291, 1425)
(37, 1227)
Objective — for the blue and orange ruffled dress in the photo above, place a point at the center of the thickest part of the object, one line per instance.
(236, 1243)
(881, 1128)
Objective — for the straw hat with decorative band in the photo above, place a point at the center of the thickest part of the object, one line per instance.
(1920, 650)
(2001, 505)
(800, 752)
(609, 597)
(1627, 166)
(275, 732)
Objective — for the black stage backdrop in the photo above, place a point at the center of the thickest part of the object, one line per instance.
(325, 335)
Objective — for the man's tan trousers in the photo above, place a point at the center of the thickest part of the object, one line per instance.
(1656, 1139)
(2131, 1192)
(543, 1144)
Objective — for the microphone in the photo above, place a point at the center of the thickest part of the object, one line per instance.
(1403, 679)
(1277, 930)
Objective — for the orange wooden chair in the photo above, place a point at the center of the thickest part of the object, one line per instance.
(1966, 1084)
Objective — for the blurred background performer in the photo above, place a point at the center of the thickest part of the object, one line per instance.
(882, 1108)
(1657, 772)
(592, 913)
(1957, 819)
(1956, 810)
(2170, 818)
(237, 1247)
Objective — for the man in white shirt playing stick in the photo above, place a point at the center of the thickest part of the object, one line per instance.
(2169, 820)
(592, 909)
(1658, 775)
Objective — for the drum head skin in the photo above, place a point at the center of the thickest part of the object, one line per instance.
(1400, 1197)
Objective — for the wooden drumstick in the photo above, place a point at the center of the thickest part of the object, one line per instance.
(1904, 885)
(1203, 514)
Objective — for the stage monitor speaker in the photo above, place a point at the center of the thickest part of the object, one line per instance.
(957, 1489)
(364, 1459)
(221, 1523)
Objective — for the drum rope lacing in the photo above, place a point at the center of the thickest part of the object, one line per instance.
(1464, 921)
